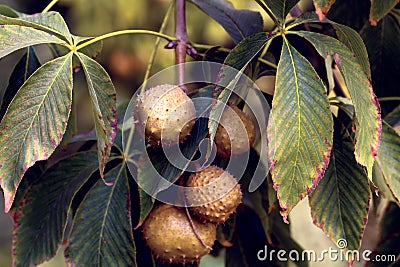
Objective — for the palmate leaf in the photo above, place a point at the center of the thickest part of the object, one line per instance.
(388, 159)
(379, 9)
(339, 204)
(24, 68)
(104, 105)
(102, 231)
(322, 7)
(92, 50)
(41, 217)
(238, 23)
(51, 22)
(368, 122)
(14, 37)
(35, 122)
(300, 129)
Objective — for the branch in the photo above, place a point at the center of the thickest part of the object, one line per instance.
(181, 46)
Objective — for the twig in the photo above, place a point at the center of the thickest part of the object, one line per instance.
(181, 46)
(195, 229)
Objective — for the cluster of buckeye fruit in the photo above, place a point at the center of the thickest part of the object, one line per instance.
(166, 115)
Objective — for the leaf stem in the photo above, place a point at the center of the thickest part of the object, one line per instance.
(266, 62)
(389, 98)
(112, 34)
(49, 6)
(196, 233)
(181, 35)
(156, 45)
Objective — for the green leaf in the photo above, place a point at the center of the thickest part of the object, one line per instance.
(9, 12)
(24, 68)
(14, 37)
(388, 159)
(238, 23)
(35, 122)
(41, 217)
(382, 45)
(280, 8)
(322, 7)
(238, 59)
(368, 121)
(340, 203)
(300, 129)
(51, 22)
(146, 205)
(104, 105)
(379, 9)
(354, 42)
(102, 231)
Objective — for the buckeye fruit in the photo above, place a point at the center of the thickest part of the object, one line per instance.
(214, 196)
(171, 238)
(230, 138)
(166, 112)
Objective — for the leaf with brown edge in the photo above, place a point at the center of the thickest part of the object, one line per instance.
(368, 122)
(299, 130)
(322, 7)
(35, 122)
(104, 105)
(340, 203)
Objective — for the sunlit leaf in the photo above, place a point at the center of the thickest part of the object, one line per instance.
(300, 129)
(388, 159)
(51, 22)
(354, 42)
(379, 9)
(339, 204)
(35, 122)
(14, 37)
(322, 7)
(41, 217)
(368, 121)
(24, 68)
(102, 231)
(238, 23)
(104, 105)
(345, 34)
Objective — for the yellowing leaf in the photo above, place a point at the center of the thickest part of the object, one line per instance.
(35, 122)
(300, 129)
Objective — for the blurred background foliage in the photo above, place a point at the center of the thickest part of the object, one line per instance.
(126, 58)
